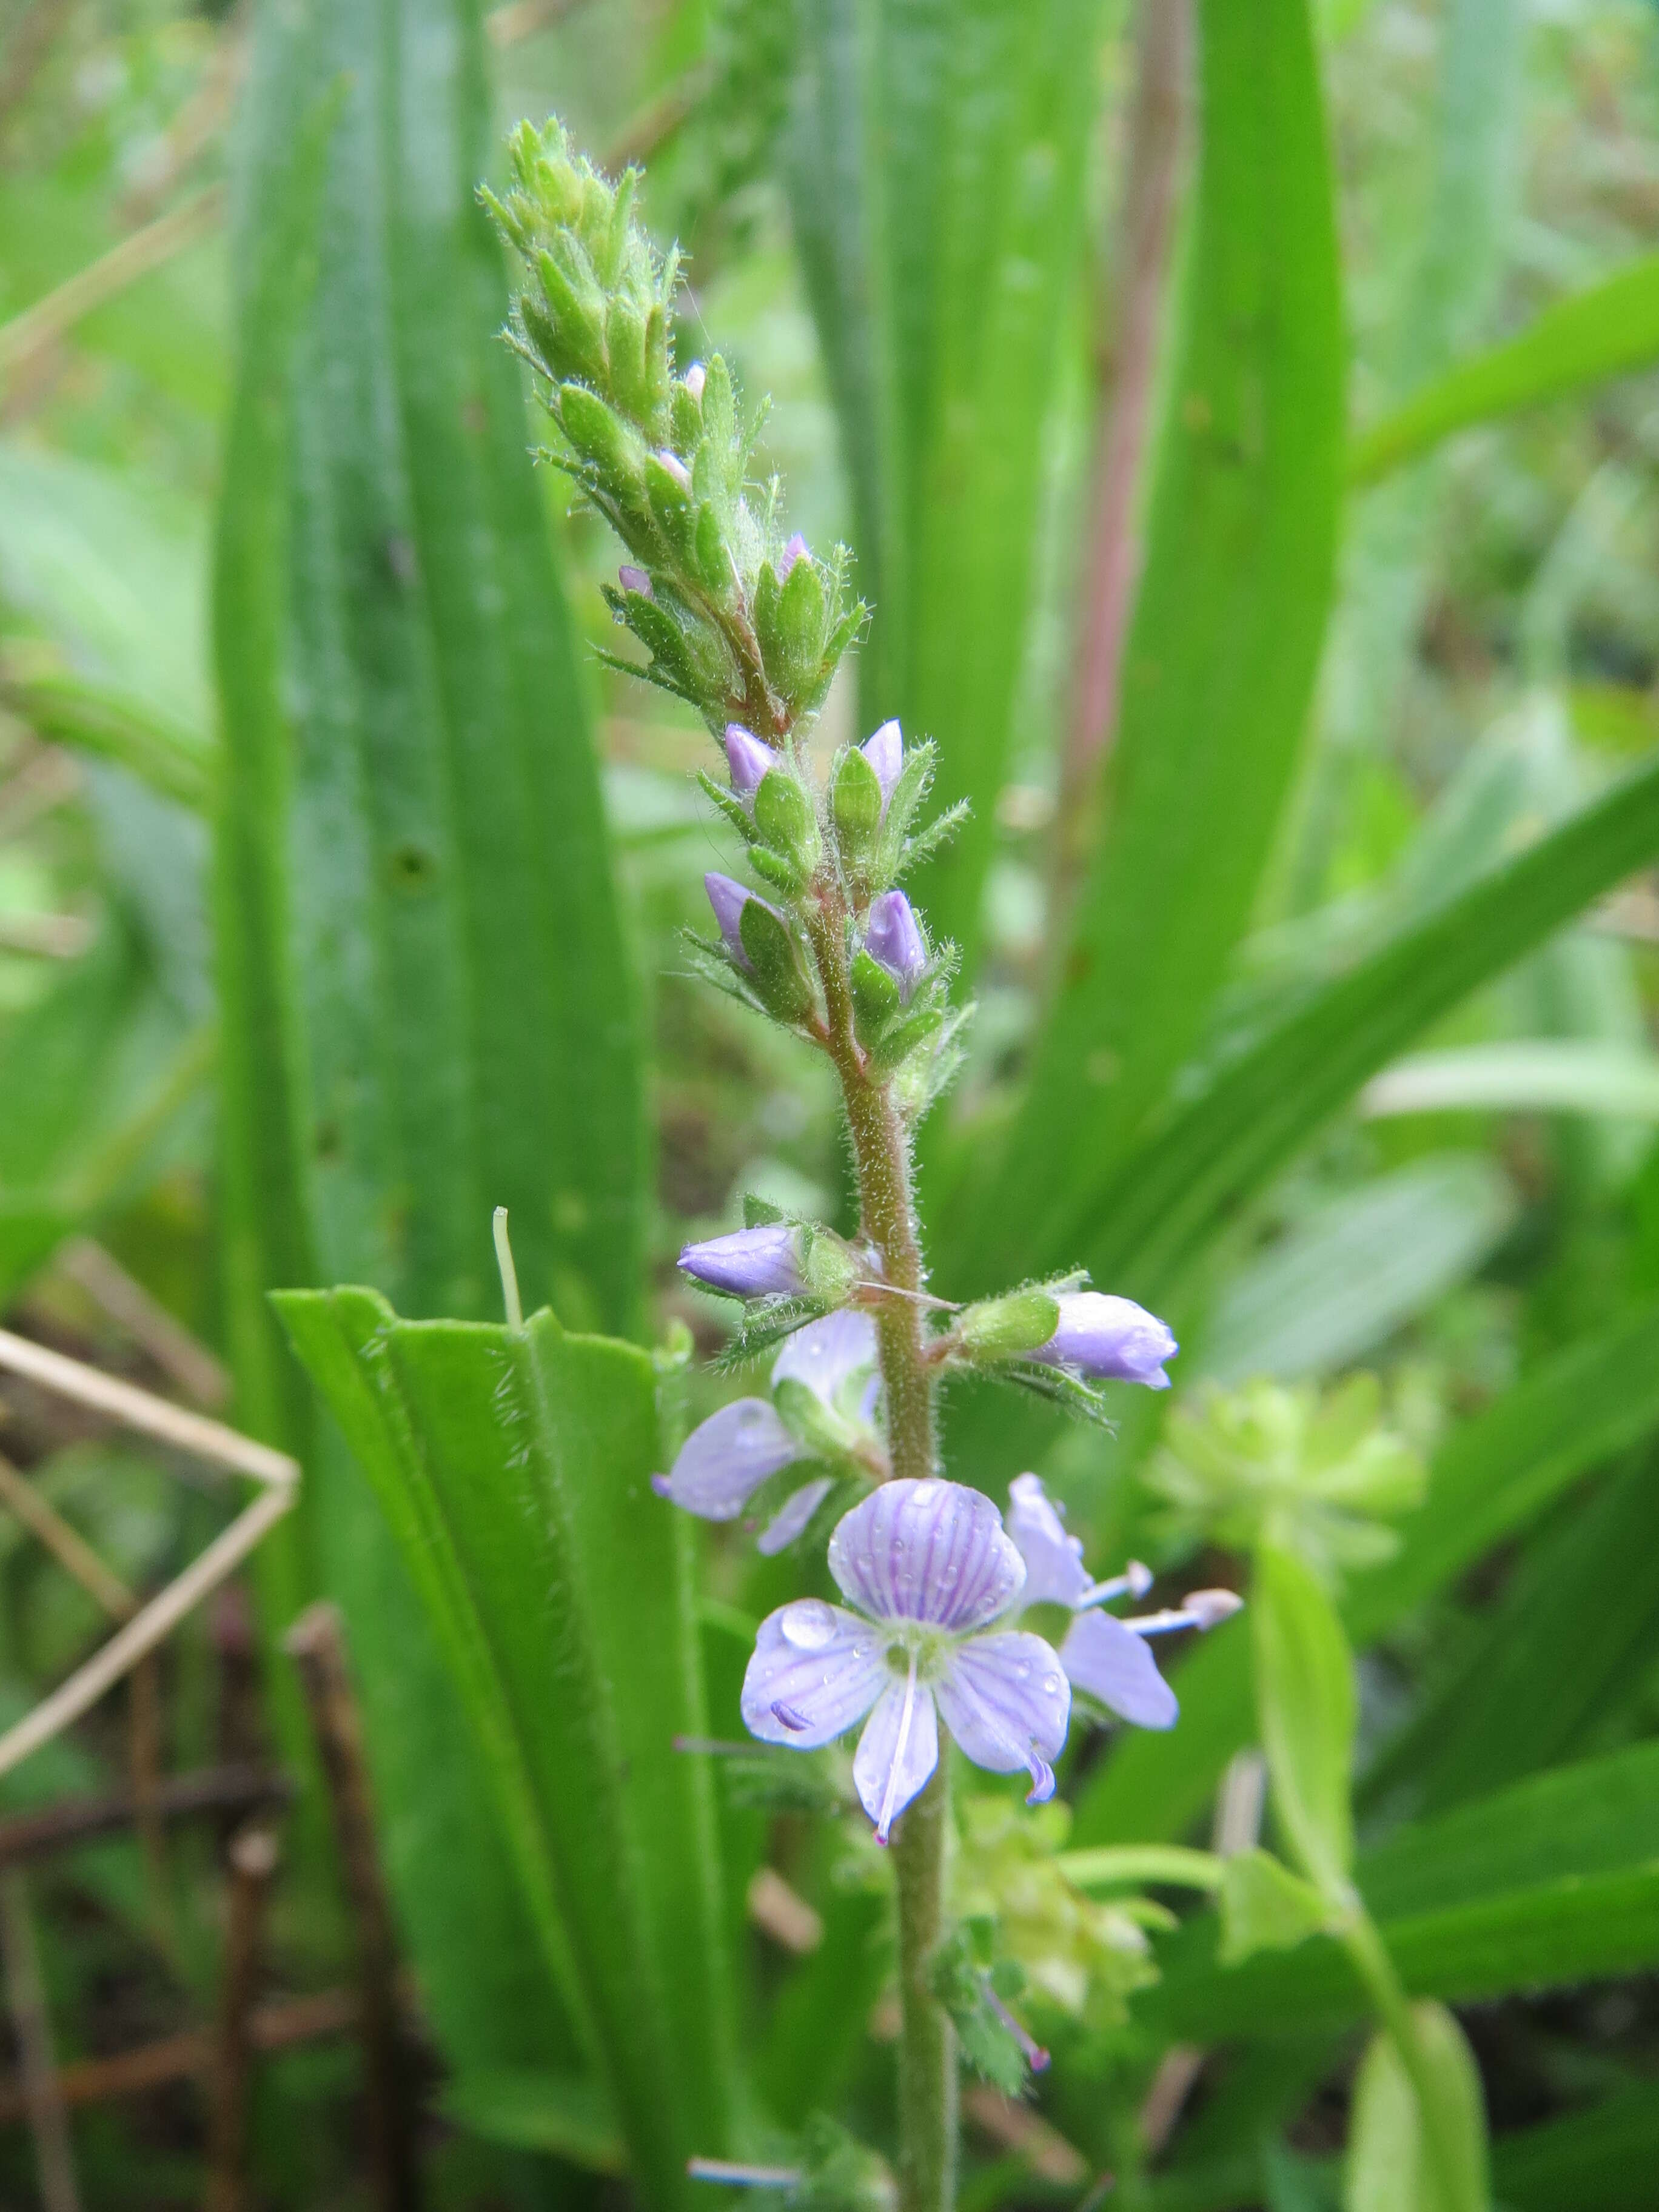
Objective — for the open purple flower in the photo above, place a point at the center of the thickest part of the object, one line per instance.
(929, 1568)
(885, 754)
(1106, 1658)
(726, 1458)
(763, 1262)
(1111, 1337)
(894, 941)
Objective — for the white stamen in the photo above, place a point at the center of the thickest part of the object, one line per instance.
(1203, 1609)
(1135, 1582)
(731, 2175)
(884, 1824)
(508, 1272)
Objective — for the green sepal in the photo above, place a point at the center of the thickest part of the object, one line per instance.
(568, 325)
(962, 1982)
(657, 372)
(766, 595)
(810, 1421)
(937, 834)
(919, 1028)
(915, 782)
(875, 998)
(776, 869)
(1001, 1329)
(855, 806)
(624, 343)
(686, 419)
(719, 418)
(784, 815)
(1078, 1398)
(661, 635)
(760, 1212)
(774, 951)
(712, 561)
(729, 804)
(799, 626)
(672, 510)
(610, 446)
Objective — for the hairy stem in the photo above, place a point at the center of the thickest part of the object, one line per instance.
(881, 1154)
(927, 2057)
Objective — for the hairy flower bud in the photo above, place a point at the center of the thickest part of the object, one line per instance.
(792, 553)
(1002, 1328)
(894, 941)
(748, 759)
(885, 754)
(785, 819)
(750, 1263)
(1111, 1337)
(728, 900)
(856, 803)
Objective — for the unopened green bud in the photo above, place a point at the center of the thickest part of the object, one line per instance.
(799, 624)
(785, 819)
(774, 955)
(829, 1268)
(570, 333)
(856, 804)
(1001, 1328)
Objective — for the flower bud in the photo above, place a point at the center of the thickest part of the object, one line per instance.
(885, 754)
(749, 760)
(728, 900)
(693, 381)
(635, 579)
(893, 938)
(798, 624)
(792, 553)
(774, 960)
(1108, 1336)
(875, 998)
(750, 1263)
(856, 804)
(1002, 1328)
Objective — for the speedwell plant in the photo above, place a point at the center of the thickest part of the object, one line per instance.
(747, 624)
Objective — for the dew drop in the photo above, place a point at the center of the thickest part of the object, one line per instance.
(808, 1625)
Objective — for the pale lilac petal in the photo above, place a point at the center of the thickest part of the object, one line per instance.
(1111, 1337)
(814, 1673)
(750, 1263)
(694, 377)
(894, 941)
(930, 1551)
(635, 579)
(793, 1515)
(676, 468)
(825, 1353)
(1006, 1701)
(749, 761)
(885, 754)
(728, 898)
(1109, 1661)
(1055, 1573)
(896, 1754)
(792, 553)
(726, 1458)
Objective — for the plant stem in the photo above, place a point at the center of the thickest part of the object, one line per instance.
(927, 2056)
(881, 1154)
(1377, 1969)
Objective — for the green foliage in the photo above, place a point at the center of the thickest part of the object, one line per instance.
(1305, 1699)
(513, 1468)
(1264, 1907)
(1387, 2168)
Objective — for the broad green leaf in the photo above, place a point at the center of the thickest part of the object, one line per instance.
(513, 1470)
(1552, 1882)
(1598, 2160)
(937, 163)
(1223, 646)
(1510, 1705)
(1543, 1075)
(1265, 1907)
(1490, 1477)
(1353, 1271)
(1180, 1187)
(565, 2114)
(1389, 2165)
(1306, 1700)
(416, 931)
(1606, 330)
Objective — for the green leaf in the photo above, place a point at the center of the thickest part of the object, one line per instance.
(1353, 1270)
(1599, 2161)
(1264, 1907)
(1178, 1190)
(416, 930)
(564, 2114)
(513, 1469)
(1387, 2167)
(1542, 1075)
(1606, 330)
(937, 156)
(1305, 1699)
(1224, 642)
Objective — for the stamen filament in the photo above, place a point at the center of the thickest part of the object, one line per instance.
(731, 2174)
(510, 1297)
(1135, 1582)
(1035, 2057)
(1164, 1623)
(885, 1825)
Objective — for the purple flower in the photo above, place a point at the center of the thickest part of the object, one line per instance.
(635, 579)
(726, 1458)
(748, 760)
(1111, 1337)
(750, 1263)
(929, 1568)
(695, 378)
(792, 553)
(1104, 1657)
(893, 940)
(885, 754)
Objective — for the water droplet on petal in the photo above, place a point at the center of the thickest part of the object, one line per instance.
(808, 1624)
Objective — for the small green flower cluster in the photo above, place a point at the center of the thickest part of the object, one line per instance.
(744, 627)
